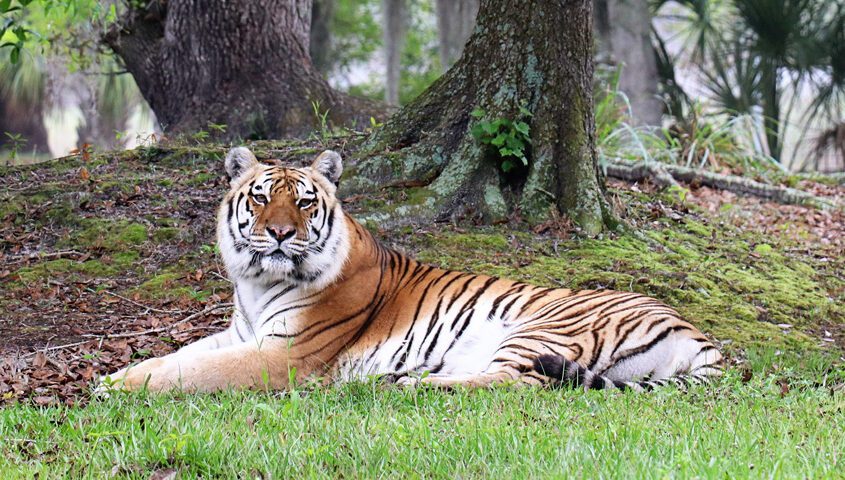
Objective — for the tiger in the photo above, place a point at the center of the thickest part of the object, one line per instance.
(316, 296)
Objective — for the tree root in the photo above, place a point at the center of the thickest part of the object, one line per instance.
(668, 175)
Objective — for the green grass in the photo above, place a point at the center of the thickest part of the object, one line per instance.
(364, 430)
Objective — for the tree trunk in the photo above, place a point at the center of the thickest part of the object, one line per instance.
(26, 121)
(242, 63)
(321, 35)
(455, 21)
(395, 13)
(771, 107)
(533, 55)
(624, 34)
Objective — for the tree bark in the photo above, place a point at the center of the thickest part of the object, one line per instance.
(242, 63)
(25, 120)
(523, 54)
(455, 21)
(395, 13)
(624, 34)
(322, 13)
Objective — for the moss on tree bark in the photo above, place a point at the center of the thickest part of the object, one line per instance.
(535, 54)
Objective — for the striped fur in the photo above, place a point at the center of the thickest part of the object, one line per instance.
(329, 301)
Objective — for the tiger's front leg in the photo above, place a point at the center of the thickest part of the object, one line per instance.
(241, 366)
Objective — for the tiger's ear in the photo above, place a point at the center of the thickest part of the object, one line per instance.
(329, 165)
(238, 161)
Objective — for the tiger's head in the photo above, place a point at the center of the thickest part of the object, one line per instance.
(282, 224)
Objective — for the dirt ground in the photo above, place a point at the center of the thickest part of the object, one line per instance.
(107, 260)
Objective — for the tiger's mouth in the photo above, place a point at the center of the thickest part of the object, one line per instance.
(280, 255)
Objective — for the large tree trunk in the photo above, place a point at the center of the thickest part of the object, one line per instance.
(26, 121)
(624, 31)
(455, 21)
(395, 19)
(242, 63)
(535, 54)
(322, 13)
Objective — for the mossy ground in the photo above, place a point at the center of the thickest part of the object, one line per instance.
(716, 281)
(140, 225)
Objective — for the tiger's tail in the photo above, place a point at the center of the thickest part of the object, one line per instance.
(566, 373)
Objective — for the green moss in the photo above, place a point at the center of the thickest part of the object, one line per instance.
(201, 178)
(122, 185)
(124, 260)
(162, 221)
(63, 268)
(61, 213)
(12, 208)
(165, 234)
(159, 283)
(720, 284)
(46, 204)
(170, 285)
(109, 235)
(490, 242)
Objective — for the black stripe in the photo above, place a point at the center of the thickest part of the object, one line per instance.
(645, 348)
(432, 344)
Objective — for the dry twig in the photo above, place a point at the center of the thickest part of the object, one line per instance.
(133, 334)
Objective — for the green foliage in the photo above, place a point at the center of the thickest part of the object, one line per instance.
(14, 144)
(420, 59)
(324, 132)
(359, 41)
(356, 33)
(65, 34)
(695, 139)
(611, 104)
(749, 52)
(510, 138)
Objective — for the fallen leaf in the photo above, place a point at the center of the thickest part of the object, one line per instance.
(40, 360)
(166, 474)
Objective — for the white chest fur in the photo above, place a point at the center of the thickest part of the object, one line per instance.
(270, 309)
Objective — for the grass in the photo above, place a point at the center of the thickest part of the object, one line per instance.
(741, 286)
(729, 430)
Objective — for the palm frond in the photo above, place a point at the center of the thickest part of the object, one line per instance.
(23, 82)
(831, 141)
(733, 81)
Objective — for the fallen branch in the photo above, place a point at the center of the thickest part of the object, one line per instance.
(634, 172)
(133, 302)
(92, 338)
(57, 347)
(164, 328)
(667, 175)
(47, 256)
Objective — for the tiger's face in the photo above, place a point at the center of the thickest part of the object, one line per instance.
(279, 223)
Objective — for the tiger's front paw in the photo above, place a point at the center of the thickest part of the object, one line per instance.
(132, 378)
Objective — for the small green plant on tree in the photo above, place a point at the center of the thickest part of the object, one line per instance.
(510, 138)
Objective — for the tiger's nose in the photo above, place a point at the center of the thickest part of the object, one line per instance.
(281, 232)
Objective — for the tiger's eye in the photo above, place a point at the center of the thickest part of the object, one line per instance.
(260, 199)
(305, 202)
